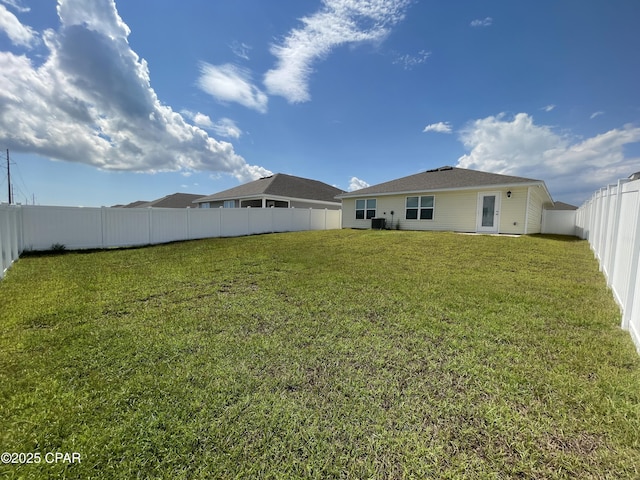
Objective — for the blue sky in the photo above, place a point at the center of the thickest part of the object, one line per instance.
(107, 102)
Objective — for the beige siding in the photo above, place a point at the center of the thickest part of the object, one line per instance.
(536, 202)
(513, 210)
(454, 211)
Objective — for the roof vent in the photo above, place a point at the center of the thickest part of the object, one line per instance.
(440, 169)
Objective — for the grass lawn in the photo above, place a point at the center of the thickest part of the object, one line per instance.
(337, 354)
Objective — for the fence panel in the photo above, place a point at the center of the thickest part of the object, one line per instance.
(559, 222)
(10, 236)
(125, 227)
(73, 227)
(204, 222)
(168, 225)
(300, 218)
(610, 221)
(260, 220)
(283, 219)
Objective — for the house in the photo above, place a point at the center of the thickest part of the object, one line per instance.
(278, 190)
(176, 200)
(448, 198)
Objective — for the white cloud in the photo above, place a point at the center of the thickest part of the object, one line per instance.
(240, 50)
(338, 22)
(572, 168)
(18, 33)
(440, 127)
(484, 22)
(16, 6)
(549, 108)
(409, 62)
(230, 83)
(356, 184)
(596, 114)
(202, 120)
(91, 102)
(225, 127)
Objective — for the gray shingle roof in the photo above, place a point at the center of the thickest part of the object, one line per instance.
(443, 178)
(562, 206)
(176, 200)
(280, 185)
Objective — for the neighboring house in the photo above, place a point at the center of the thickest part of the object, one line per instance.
(279, 190)
(448, 198)
(176, 200)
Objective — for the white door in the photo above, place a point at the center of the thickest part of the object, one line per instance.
(488, 217)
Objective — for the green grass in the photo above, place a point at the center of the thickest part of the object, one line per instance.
(338, 354)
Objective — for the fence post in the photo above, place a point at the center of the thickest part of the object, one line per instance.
(15, 247)
(273, 223)
(103, 224)
(188, 223)
(604, 223)
(4, 226)
(614, 234)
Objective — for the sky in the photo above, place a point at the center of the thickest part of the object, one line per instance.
(105, 102)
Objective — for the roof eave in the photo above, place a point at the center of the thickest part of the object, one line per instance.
(450, 189)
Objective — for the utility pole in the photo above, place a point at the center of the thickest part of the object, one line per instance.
(9, 178)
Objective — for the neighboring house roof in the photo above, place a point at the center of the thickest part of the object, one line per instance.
(443, 178)
(132, 204)
(279, 185)
(176, 200)
(562, 206)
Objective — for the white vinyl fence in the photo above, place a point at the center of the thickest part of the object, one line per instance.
(41, 227)
(610, 221)
(10, 236)
(559, 222)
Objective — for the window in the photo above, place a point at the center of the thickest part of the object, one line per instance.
(205, 205)
(229, 204)
(365, 209)
(420, 208)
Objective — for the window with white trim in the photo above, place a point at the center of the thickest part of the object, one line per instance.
(420, 208)
(365, 208)
(229, 204)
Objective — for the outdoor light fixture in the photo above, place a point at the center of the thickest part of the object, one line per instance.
(509, 194)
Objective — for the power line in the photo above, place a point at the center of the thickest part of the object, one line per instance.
(25, 191)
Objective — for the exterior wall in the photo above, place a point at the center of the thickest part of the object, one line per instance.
(454, 211)
(513, 211)
(534, 214)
